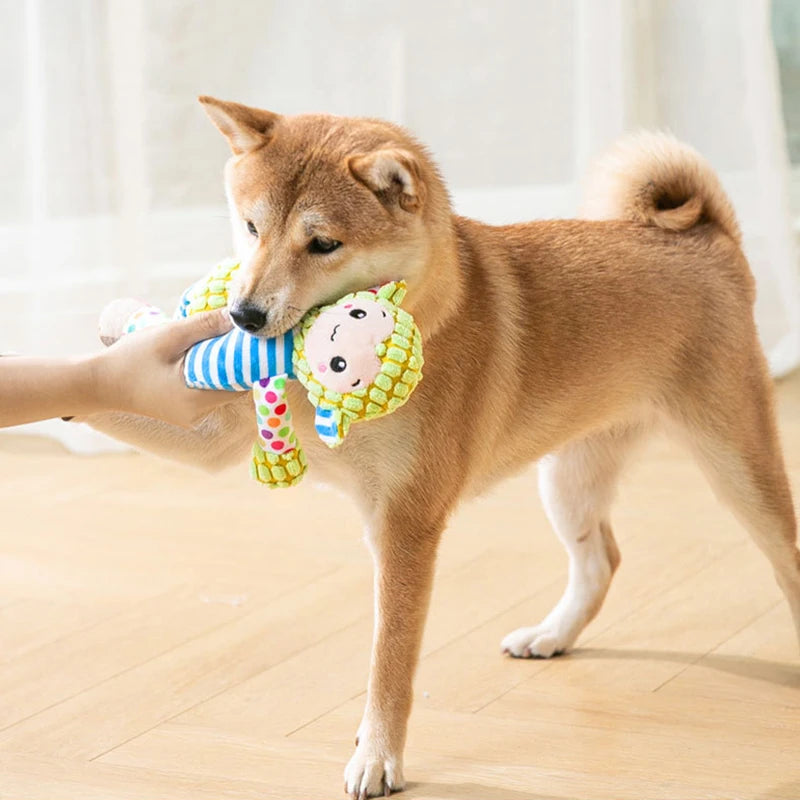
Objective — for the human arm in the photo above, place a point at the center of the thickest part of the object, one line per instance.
(140, 374)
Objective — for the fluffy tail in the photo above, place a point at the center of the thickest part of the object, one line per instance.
(654, 179)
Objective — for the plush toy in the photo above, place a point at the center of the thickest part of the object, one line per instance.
(358, 358)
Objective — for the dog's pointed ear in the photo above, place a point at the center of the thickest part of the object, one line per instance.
(244, 127)
(393, 174)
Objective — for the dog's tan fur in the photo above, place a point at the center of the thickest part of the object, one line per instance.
(563, 341)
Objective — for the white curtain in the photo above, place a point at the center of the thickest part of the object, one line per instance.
(112, 174)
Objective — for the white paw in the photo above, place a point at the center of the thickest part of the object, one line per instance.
(372, 773)
(540, 641)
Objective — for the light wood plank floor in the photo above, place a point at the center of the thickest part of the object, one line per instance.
(167, 635)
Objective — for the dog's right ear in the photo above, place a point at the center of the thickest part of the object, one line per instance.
(394, 176)
(244, 127)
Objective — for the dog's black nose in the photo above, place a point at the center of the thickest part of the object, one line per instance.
(248, 317)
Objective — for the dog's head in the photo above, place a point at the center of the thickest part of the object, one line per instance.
(321, 206)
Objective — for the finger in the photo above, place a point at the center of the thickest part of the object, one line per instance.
(186, 332)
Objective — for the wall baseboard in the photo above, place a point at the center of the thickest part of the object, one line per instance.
(73, 436)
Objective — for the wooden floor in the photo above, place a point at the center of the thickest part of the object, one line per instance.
(165, 635)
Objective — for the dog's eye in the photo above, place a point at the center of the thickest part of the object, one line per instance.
(358, 313)
(251, 229)
(338, 364)
(320, 245)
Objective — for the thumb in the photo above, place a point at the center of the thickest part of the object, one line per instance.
(206, 325)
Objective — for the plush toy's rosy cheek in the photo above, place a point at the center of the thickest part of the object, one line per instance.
(341, 344)
(346, 367)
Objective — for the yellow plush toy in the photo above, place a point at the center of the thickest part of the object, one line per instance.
(359, 358)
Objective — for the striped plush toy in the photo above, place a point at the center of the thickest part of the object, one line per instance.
(358, 358)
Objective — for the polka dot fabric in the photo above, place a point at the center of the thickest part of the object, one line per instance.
(278, 461)
(144, 318)
(274, 418)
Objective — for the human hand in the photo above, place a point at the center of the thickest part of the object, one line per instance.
(142, 373)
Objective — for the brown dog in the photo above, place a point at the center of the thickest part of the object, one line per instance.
(564, 341)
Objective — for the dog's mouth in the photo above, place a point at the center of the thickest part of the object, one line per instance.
(291, 317)
(281, 323)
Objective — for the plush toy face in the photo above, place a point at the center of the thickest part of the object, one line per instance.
(359, 358)
(341, 344)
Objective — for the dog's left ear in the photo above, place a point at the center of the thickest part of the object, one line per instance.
(244, 127)
(394, 176)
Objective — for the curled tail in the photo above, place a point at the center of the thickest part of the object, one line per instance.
(654, 179)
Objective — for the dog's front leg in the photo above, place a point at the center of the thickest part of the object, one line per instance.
(403, 544)
(222, 438)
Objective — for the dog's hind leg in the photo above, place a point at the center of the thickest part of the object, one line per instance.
(728, 419)
(577, 485)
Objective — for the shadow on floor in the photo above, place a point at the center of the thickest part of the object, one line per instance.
(786, 791)
(467, 791)
(778, 673)
(477, 791)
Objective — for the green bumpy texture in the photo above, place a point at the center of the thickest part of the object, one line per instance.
(277, 470)
(400, 356)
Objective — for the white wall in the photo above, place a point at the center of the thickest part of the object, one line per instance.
(112, 174)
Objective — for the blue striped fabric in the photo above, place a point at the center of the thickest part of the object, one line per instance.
(183, 304)
(327, 427)
(237, 360)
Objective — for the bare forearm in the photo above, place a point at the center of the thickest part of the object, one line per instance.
(32, 389)
(141, 374)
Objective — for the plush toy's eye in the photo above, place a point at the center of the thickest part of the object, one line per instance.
(320, 245)
(338, 364)
(358, 313)
(251, 229)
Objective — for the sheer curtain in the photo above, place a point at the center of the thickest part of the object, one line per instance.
(112, 175)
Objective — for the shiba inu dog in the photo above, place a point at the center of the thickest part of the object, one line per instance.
(560, 341)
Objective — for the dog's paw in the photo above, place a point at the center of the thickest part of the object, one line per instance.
(372, 773)
(539, 641)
